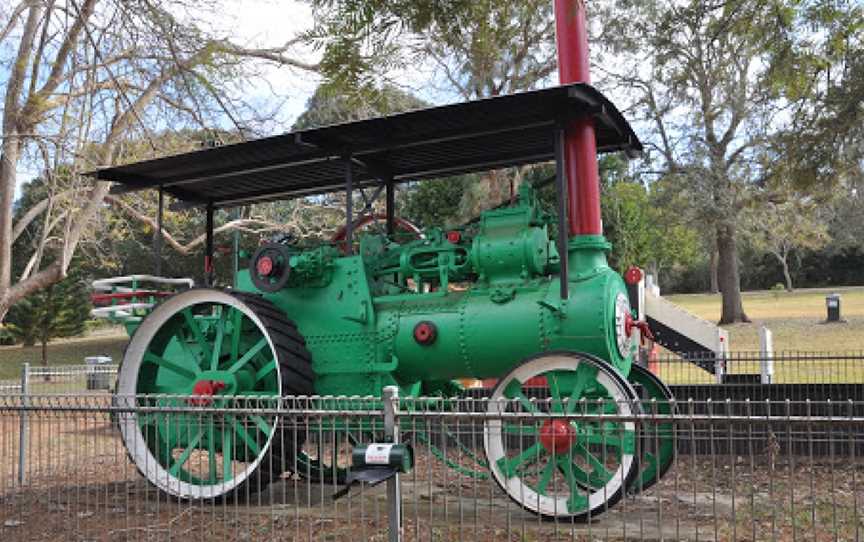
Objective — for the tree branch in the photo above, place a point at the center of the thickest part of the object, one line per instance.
(240, 224)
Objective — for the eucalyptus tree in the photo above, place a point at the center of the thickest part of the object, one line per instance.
(719, 86)
(82, 78)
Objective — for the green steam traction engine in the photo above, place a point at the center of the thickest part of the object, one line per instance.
(501, 299)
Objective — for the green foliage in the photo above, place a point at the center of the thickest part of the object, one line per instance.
(483, 48)
(786, 226)
(328, 106)
(61, 310)
(360, 39)
(642, 233)
(434, 203)
(6, 336)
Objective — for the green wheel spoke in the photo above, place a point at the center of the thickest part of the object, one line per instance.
(262, 424)
(599, 471)
(193, 326)
(244, 435)
(236, 331)
(265, 370)
(519, 429)
(650, 461)
(171, 366)
(174, 470)
(511, 466)
(583, 479)
(586, 373)
(577, 501)
(248, 355)
(217, 344)
(555, 389)
(514, 391)
(546, 476)
(613, 437)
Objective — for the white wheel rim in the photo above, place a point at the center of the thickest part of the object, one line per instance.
(494, 445)
(127, 382)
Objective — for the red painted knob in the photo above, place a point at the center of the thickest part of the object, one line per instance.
(425, 333)
(557, 436)
(454, 236)
(633, 275)
(264, 266)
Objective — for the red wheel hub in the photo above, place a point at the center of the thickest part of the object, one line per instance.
(557, 436)
(204, 390)
(264, 266)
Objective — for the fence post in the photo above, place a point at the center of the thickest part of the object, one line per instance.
(766, 355)
(720, 366)
(391, 432)
(22, 429)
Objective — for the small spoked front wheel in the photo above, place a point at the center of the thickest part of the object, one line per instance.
(564, 460)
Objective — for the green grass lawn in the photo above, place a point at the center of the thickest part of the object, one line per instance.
(63, 352)
(797, 322)
(795, 319)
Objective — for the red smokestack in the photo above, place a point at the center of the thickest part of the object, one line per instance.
(580, 146)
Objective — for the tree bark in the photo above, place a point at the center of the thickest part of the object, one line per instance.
(728, 277)
(785, 265)
(715, 285)
(11, 144)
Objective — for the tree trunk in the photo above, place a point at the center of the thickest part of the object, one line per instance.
(727, 276)
(715, 285)
(786, 274)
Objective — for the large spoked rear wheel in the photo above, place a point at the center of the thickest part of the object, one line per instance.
(215, 346)
(563, 467)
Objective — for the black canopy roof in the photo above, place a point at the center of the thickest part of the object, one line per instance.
(426, 143)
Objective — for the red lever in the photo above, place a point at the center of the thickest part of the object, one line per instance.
(645, 330)
(641, 325)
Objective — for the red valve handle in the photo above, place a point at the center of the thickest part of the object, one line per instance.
(641, 325)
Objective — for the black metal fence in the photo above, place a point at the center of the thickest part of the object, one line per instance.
(745, 471)
(793, 375)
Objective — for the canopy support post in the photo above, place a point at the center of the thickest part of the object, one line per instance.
(208, 248)
(349, 206)
(561, 196)
(390, 205)
(157, 236)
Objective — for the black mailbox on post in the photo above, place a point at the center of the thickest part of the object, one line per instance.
(832, 304)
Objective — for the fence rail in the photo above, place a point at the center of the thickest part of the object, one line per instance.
(745, 470)
(781, 367)
(687, 369)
